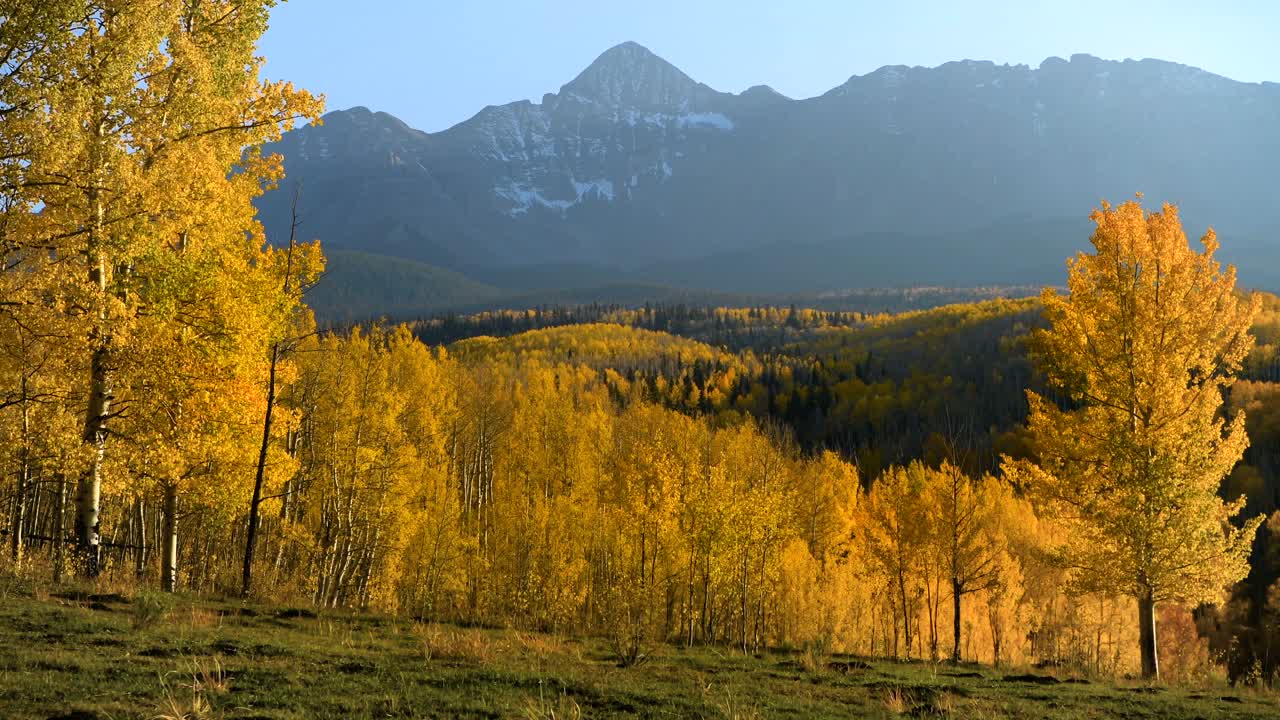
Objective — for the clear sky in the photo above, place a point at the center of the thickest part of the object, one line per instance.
(434, 63)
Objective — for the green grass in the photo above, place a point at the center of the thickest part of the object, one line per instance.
(83, 656)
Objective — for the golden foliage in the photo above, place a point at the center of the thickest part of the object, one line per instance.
(1149, 338)
(1147, 341)
(597, 478)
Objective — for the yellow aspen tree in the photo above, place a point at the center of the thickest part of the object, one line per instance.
(186, 435)
(801, 618)
(827, 490)
(37, 422)
(760, 519)
(362, 459)
(1145, 344)
(705, 504)
(1011, 538)
(288, 320)
(643, 473)
(964, 535)
(895, 537)
(430, 581)
(142, 119)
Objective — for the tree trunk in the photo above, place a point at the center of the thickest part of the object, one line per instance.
(997, 631)
(101, 379)
(20, 509)
(1147, 636)
(24, 481)
(89, 487)
(59, 526)
(255, 505)
(906, 616)
(140, 538)
(743, 619)
(955, 619)
(169, 540)
(283, 518)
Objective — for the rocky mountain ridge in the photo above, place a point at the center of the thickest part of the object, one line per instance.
(635, 167)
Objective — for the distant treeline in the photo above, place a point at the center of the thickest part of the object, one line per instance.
(735, 328)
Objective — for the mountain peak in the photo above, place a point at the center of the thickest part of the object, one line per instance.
(627, 56)
(627, 48)
(630, 75)
(762, 95)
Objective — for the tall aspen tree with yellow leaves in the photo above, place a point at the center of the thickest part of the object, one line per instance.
(133, 127)
(1145, 343)
(967, 544)
(896, 540)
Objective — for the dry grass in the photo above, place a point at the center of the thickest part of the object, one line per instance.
(444, 642)
(728, 705)
(207, 675)
(199, 618)
(552, 706)
(896, 702)
(542, 647)
(195, 707)
(33, 578)
(813, 659)
(190, 700)
(150, 608)
(945, 703)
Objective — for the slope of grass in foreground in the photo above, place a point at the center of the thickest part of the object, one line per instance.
(81, 656)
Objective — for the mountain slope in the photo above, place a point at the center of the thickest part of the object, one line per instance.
(357, 286)
(637, 170)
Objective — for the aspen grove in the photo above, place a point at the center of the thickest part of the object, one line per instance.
(170, 415)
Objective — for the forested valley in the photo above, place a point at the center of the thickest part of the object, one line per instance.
(651, 487)
(1049, 482)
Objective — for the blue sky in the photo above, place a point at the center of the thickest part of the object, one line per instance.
(434, 63)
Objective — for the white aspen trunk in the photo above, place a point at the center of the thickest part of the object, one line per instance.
(140, 540)
(24, 481)
(284, 518)
(1147, 636)
(169, 540)
(59, 528)
(89, 487)
(19, 511)
(101, 381)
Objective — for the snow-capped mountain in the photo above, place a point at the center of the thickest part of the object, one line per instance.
(981, 172)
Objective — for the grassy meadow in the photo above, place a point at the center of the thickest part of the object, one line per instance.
(80, 654)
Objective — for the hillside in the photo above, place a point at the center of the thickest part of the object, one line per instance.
(357, 286)
(595, 345)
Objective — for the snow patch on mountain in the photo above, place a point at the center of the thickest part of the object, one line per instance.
(602, 188)
(524, 196)
(714, 120)
(516, 132)
(719, 121)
